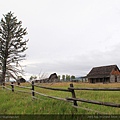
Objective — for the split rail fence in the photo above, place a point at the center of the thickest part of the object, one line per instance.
(71, 89)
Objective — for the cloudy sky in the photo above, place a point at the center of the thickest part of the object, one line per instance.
(68, 36)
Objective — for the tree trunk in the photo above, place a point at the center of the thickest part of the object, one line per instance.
(3, 72)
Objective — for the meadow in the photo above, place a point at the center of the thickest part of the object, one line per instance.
(23, 103)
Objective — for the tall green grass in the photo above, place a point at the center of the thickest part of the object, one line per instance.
(23, 103)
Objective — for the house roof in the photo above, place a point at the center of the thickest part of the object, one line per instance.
(102, 71)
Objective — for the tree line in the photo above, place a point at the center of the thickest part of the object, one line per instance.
(60, 77)
(66, 77)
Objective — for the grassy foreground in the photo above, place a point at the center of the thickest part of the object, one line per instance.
(22, 103)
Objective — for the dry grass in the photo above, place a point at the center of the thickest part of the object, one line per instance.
(80, 84)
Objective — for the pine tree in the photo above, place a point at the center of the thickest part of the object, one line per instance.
(12, 46)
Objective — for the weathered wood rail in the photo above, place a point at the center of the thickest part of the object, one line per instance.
(71, 89)
(57, 89)
(95, 102)
(96, 89)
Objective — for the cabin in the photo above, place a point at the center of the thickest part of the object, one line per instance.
(104, 74)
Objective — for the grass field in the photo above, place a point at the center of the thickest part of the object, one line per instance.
(23, 103)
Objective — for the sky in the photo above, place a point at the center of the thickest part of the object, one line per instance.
(67, 36)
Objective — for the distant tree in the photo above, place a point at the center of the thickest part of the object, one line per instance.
(72, 77)
(67, 77)
(33, 77)
(59, 77)
(63, 77)
(19, 77)
(11, 46)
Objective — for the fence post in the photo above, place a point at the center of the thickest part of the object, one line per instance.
(73, 95)
(12, 86)
(33, 93)
(3, 85)
(18, 83)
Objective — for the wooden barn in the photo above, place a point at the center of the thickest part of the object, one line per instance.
(52, 78)
(104, 74)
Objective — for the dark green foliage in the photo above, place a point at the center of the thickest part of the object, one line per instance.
(63, 77)
(67, 77)
(72, 77)
(11, 45)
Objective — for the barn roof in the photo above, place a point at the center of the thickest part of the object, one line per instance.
(102, 71)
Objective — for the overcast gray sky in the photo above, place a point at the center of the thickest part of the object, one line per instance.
(68, 36)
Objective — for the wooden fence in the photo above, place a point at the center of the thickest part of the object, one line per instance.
(71, 89)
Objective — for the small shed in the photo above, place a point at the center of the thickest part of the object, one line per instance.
(22, 80)
(104, 74)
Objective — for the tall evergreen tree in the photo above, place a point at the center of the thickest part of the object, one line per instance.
(12, 46)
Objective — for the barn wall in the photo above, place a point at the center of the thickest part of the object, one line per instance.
(112, 78)
(118, 78)
(89, 80)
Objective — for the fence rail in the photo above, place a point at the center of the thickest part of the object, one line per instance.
(95, 102)
(96, 89)
(18, 86)
(58, 89)
(57, 98)
(71, 89)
